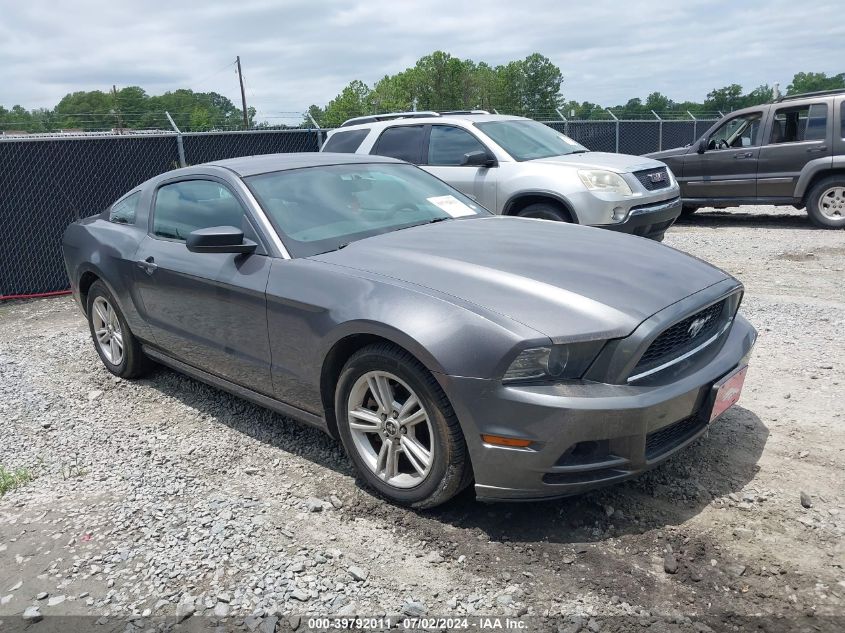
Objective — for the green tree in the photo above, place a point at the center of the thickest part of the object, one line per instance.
(540, 86)
(811, 82)
(724, 99)
(354, 100)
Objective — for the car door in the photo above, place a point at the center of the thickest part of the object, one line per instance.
(727, 166)
(205, 309)
(443, 154)
(796, 135)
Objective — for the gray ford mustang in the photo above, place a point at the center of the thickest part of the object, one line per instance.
(442, 344)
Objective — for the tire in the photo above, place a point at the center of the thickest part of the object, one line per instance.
(117, 347)
(826, 203)
(545, 211)
(687, 210)
(406, 479)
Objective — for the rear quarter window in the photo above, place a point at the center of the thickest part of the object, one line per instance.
(123, 211)
(345, 142)
(842, 119)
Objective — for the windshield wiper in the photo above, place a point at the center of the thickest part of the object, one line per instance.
(579, 151)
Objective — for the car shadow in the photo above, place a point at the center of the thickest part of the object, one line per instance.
(720, 463)
(783, 219)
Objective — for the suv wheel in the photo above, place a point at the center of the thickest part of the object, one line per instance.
(399, 429)
(119, 350)
(545, 211)
(826, 203)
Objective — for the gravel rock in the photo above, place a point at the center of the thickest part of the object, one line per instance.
(670, 563)
(314, 505)
(32, 614)
(358, 573)
(42, 595)
(55, 601)
(300, 594)
(805, 500)
(221, 610)
(185, 610)
(414, 609)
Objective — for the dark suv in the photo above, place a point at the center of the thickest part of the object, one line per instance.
(790, 152)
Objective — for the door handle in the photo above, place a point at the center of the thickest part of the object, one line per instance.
(817, 149)
(147, 265)
(744, 155)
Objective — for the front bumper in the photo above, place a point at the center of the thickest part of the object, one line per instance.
(586, 435)
(649, 220)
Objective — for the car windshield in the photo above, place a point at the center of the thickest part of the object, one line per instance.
(527, 140)
(320, 209)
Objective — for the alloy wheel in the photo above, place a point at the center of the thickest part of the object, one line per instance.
(391, 429)
(107, 330)
(832, 203)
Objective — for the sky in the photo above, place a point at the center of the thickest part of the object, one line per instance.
(296, 53)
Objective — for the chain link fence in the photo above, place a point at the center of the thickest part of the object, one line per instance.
(49, 181)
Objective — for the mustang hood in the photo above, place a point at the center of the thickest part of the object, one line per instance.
(565, 281)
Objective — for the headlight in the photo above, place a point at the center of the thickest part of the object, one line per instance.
(672, 180)
(600, 180)
(555, 362)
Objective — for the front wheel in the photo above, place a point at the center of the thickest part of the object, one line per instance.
(826, 203)
(399, 429)
(545, 211)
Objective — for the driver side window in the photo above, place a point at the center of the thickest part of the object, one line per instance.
(741, 131)
(182, 207)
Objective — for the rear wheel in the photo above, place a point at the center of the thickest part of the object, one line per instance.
(545, 211)
(119, 350)
(826, 203)
(399, 429)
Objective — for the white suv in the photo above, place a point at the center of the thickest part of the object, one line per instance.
(516, 166)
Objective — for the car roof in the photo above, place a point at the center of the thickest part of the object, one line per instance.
(264, 163)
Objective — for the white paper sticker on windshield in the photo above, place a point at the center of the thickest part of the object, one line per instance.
(451, 205)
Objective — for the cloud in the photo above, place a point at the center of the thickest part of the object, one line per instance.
(297, 52)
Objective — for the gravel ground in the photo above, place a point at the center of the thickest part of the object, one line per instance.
(165, 498)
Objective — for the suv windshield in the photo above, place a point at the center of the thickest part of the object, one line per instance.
(527, 140)
(320, 209)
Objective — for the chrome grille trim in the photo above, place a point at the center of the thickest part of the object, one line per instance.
(682, 357)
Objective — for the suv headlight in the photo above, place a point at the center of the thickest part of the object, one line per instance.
(555, 362)
(601, 180)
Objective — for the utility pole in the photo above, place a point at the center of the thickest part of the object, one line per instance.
(243, 94)
(116, 109)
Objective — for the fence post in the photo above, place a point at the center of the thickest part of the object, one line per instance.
(179, 146)
(659, 131)
(565, 122)
(617, 128)
(319, 130)
(694, 127)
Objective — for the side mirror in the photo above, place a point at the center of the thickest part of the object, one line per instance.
(478, 158)
(219, 239)
(702, 146)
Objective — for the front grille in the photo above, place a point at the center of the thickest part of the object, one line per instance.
(664, 440)
(682, 337)
(653, 179)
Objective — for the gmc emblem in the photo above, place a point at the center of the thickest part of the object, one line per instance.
(658, 176)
